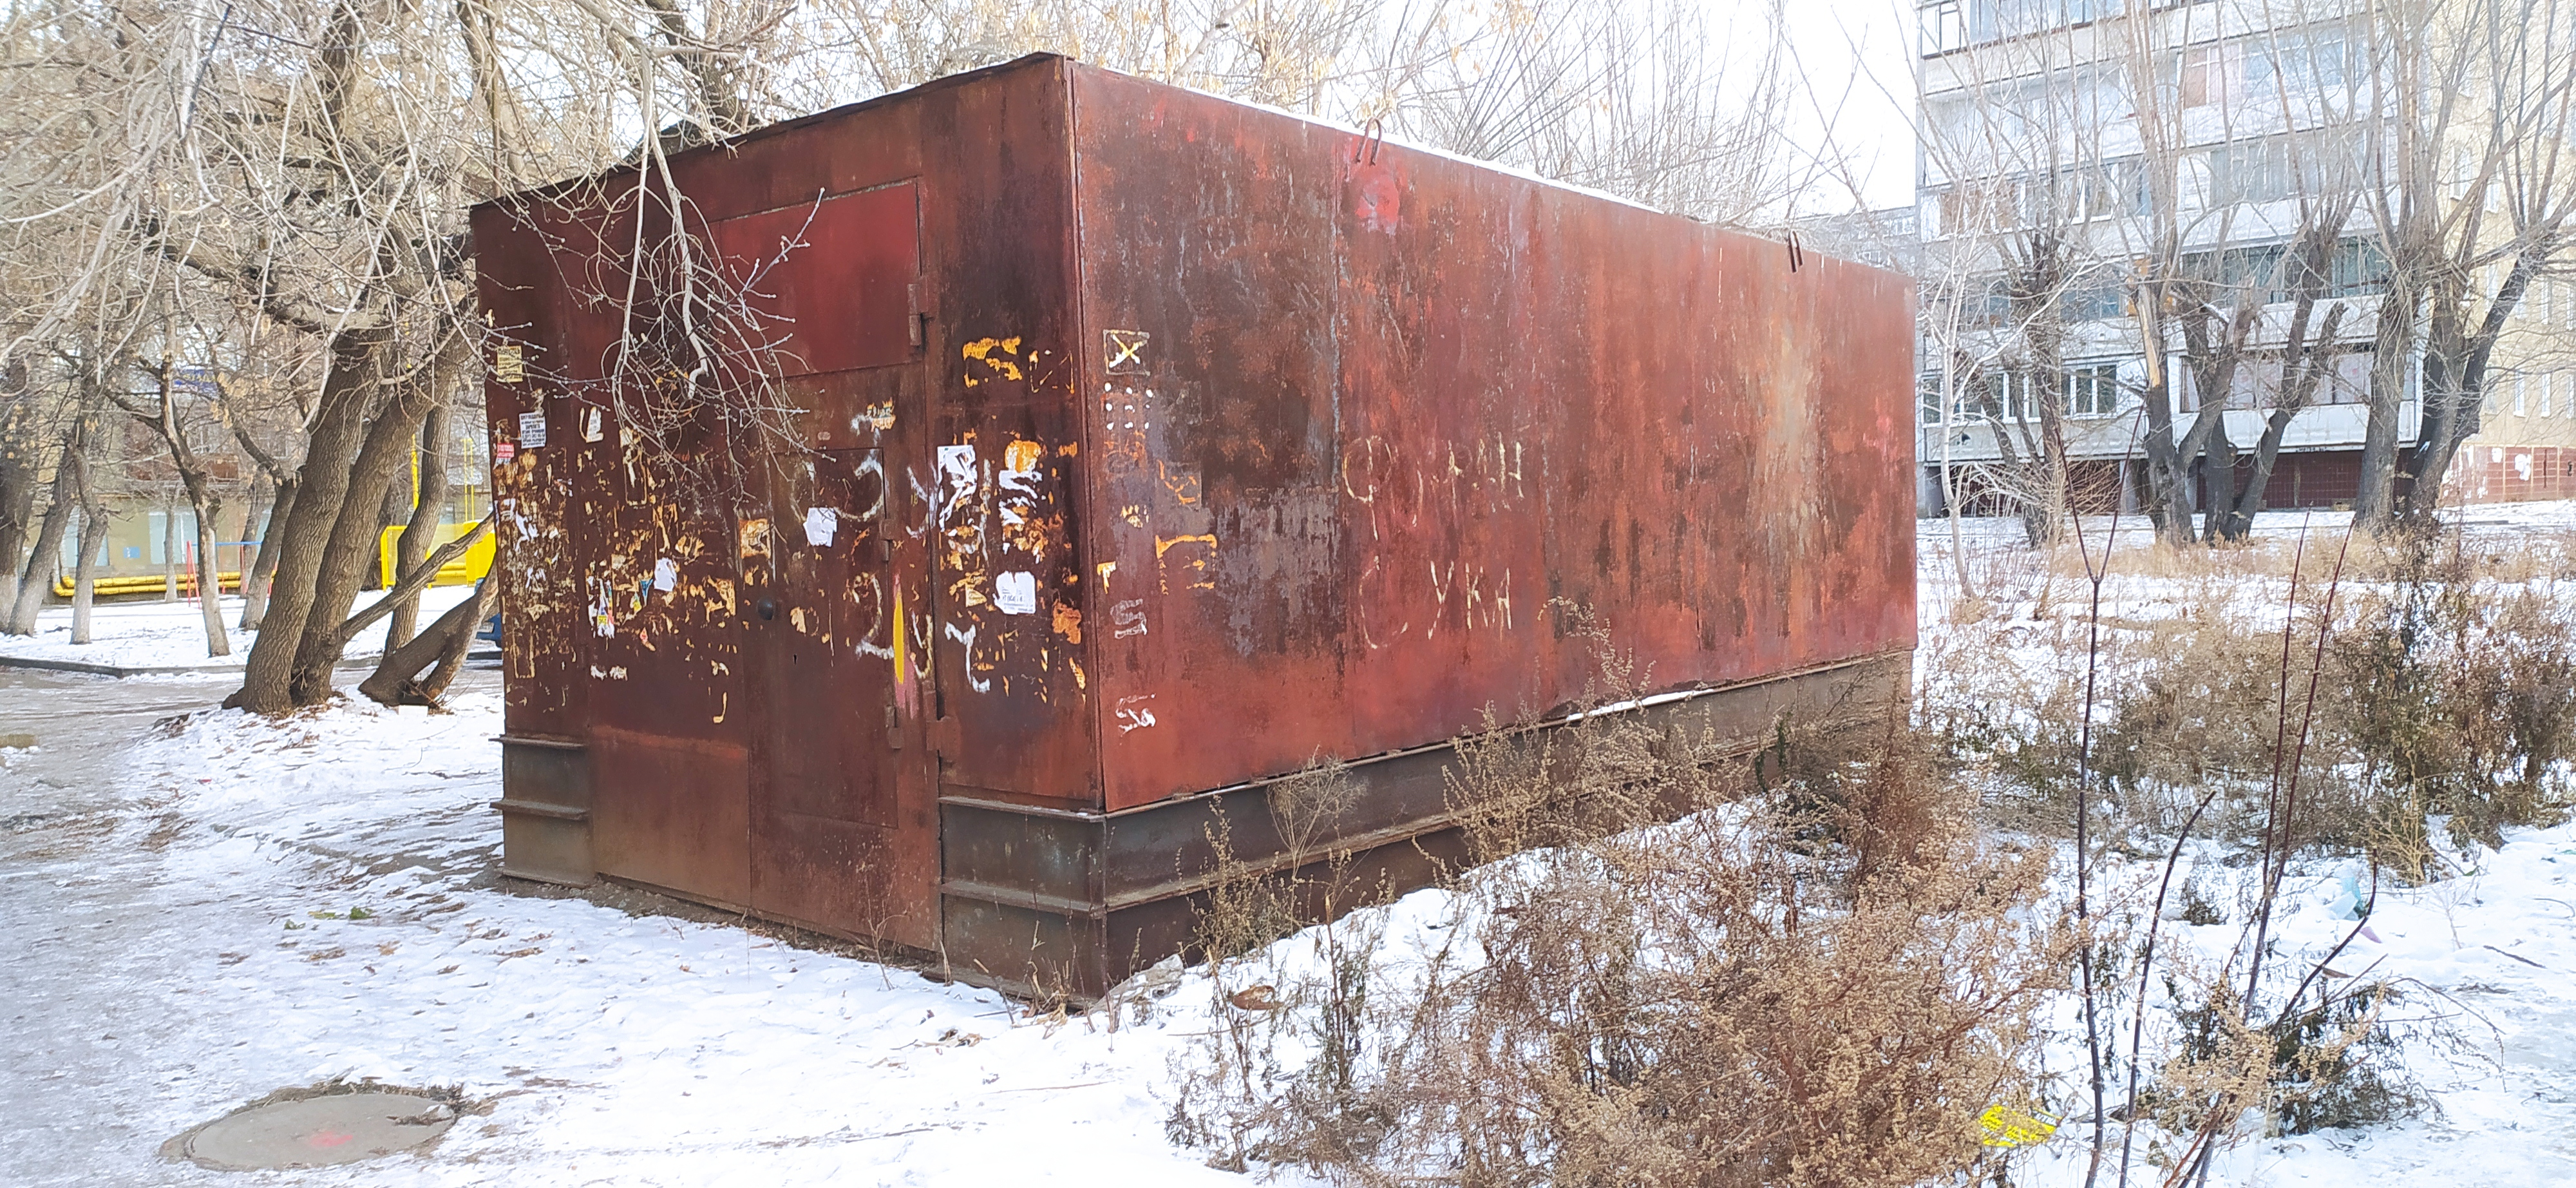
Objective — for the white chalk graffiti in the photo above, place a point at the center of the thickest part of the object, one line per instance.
(967, 637)
(1127, 618)
(1132, 713)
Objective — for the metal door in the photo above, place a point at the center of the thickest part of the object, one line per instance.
(823, 811)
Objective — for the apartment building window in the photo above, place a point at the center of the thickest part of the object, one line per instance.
(1997, 394)
(2521, 407)
(2270, 274)
(2277, 167)
(2115, 187)
(2205, 71)
(2300, 62)
(2548, 389)
(2093, 390)
(2260, 171)
(2359, 268)
(2077, 195)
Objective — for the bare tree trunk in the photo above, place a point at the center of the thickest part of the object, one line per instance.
(429, 509)
(263, 495)
(19, 453)
(93, 533)
(445, 643)
(341, 560)
(263, 566)
(2303, 369)
(2217, 485)
(45, 560)
(210, 584)
(2374, 505)
(322, 485)
(2456, 360)
(170, 551)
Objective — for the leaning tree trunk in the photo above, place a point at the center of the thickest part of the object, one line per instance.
(341, 562)
(2302, 372)
(322, 485)
(429, 508)
(92, 534)
(444, 645)
(46, 558)
(263, 564)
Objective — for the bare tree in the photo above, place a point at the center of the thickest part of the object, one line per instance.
(2477, 116)
(162, 417)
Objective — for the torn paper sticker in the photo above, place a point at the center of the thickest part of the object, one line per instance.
(820, 522)
(666, 575)
(1016, 593)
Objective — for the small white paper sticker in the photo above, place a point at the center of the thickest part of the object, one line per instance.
(590, 427)
(820, 523)
(532, 430)
(1016, 593)
(666, 575)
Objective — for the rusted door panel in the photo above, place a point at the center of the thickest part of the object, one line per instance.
(673, 813)
(830, 278)
(1491, 429)
(824, 796)
(1000, 476)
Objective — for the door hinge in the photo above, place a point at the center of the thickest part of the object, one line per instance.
(923, 307)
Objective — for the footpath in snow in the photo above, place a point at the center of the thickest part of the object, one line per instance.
(183, 944)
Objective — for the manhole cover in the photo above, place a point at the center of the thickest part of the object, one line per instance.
(316, 1131)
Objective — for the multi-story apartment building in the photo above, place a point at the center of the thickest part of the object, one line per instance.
(2070, 147)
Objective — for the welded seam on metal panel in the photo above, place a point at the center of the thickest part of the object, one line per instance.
(822, 198)
(1085, 542)
(1675, 697)
(530, 740)
(1088, 457)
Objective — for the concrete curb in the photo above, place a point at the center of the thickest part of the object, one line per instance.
(114, 670)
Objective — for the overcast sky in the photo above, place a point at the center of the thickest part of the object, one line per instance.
(1856, 56)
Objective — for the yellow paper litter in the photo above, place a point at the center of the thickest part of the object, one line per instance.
(2013, 1128)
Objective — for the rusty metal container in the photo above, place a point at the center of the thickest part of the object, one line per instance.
(1127, 449)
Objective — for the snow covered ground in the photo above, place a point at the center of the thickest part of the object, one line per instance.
(176, 904)
(172, 635)
(178, 910)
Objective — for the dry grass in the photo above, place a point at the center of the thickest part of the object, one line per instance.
(1819, 975)
(1828, 965)
(2445, 693)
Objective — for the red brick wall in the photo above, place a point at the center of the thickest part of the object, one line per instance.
(2510, 474)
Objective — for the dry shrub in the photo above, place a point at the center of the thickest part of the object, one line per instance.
(1817, 977)
(2013, 726)
(2199, 696)
(2445, 699)
(2457, 697)
(2334, 1061)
